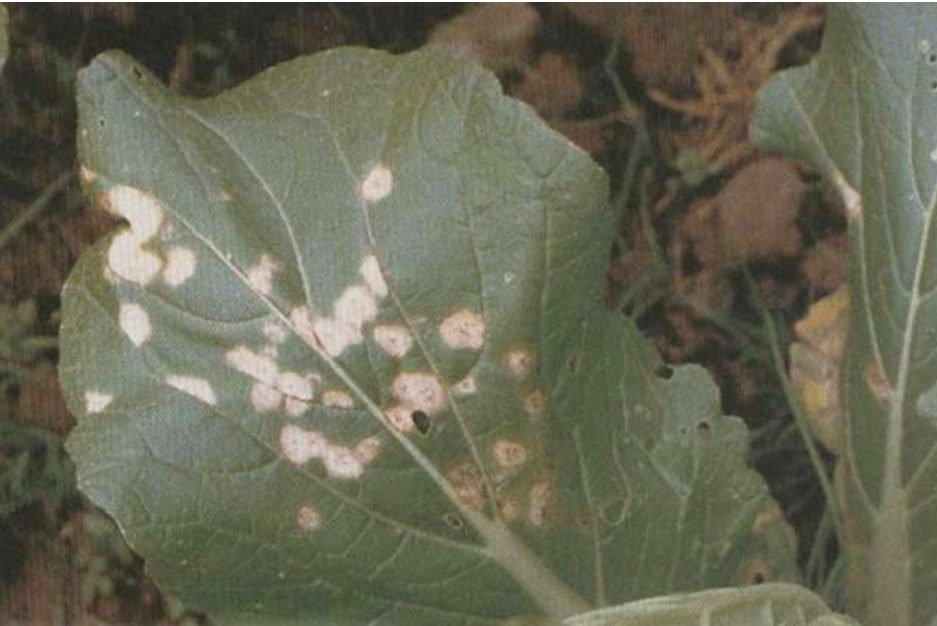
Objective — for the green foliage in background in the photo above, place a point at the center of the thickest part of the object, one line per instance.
(863, 114)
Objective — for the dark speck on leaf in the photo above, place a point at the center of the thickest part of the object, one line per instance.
(421, 421)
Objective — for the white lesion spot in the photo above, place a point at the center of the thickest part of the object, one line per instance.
(295, 386)
(373, 276)
(274, 333)
(302, 320)
(419, 391)
(193, 386)
(465, 387)
(509, 454)
(258, 366)
(463, 329)
(295, 407)
(180, 266)
(87, 175)
(851, 198)
(260, 275)
(265, 398)
(341, 462)
(541, 499)
(535, 405)
(519, 362)
(395, 341)
(399, 417)
(338, 399)
(367, 449)
(308, 518)
(353, 309)
(125, 256)
(135, 322)
(301, 446)
(142, 210)
(97, 401)
(378, 184)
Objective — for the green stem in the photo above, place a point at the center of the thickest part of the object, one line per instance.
(800, 420)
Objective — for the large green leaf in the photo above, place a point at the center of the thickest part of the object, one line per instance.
(864, 114)
(349, 363)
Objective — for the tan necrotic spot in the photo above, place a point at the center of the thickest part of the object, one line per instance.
(378, 184)
(519, 362)
(541, 498)
(509, 454)
(135, 322)
(180, 266)
(195, 387)
(535, 405)
(367, 449)
(395, 341)
(510, 511)
(308, 518)
(260, 275)
(399, 418)
(419, 391)
(466, 482)
(463, 329)
(337, 399)
(373, 277)
(96, 401)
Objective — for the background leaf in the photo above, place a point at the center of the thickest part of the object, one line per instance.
(350, 364)
(763, 605)
(863, 113)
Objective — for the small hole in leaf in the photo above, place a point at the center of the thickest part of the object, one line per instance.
(664, 371)
(101, 122)
(421, 421)
(453, 521)
(572, 362)
(703, 430)
(933, 85)
(932, 58)
(137, 73)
